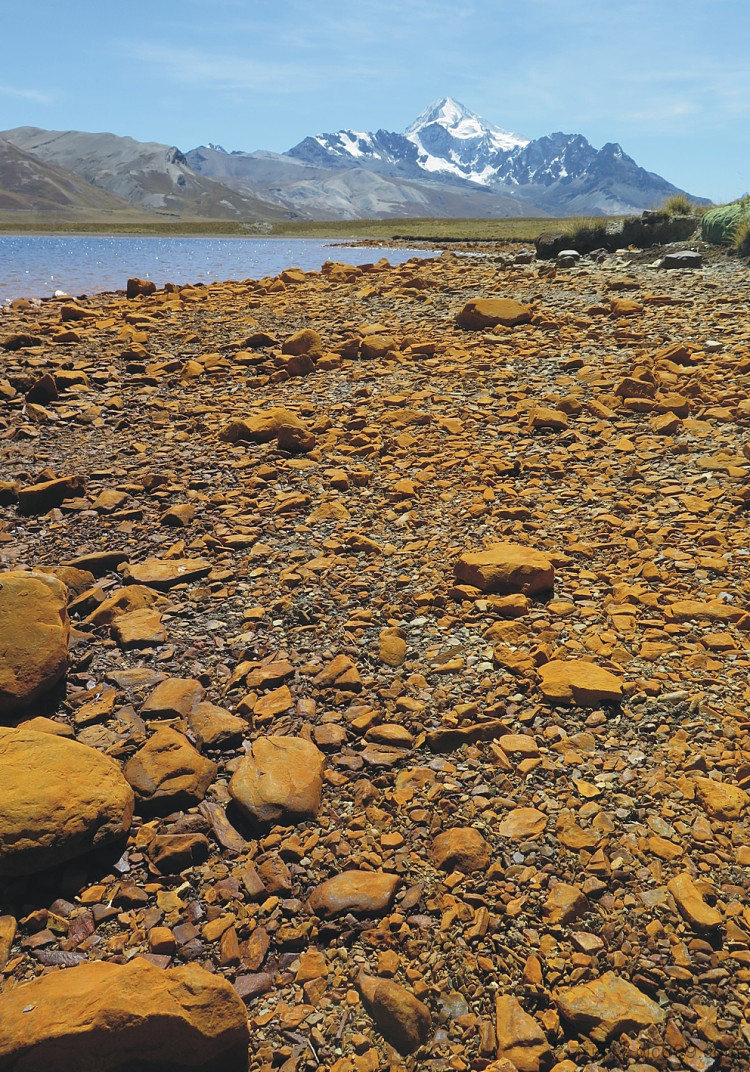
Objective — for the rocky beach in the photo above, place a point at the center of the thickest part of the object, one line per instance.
(374, 647)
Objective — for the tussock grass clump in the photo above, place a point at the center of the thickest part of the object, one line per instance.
(586, 232)
(678, 205)
(741, 237)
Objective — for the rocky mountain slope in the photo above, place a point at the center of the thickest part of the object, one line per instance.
(374, 689)
(153, 177)
(561, 174)
(27, 184)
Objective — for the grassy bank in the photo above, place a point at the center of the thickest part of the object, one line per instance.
(410, 230)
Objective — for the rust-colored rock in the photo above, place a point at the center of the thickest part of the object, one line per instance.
(520, 1039)
(360, 892)
(580, 682)
(60, 799)
(279, 780)
(606, 1007)
(460, 849)
(489, 312)
(505, 568)
(168, 773)
(103, 1017)
(34, 631)
(401, 1018)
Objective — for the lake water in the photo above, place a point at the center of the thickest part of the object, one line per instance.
(37, 266)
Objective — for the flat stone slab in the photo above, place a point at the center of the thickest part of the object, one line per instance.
(506, 568)
(606, 1007)
(163, 574)
(576, 681)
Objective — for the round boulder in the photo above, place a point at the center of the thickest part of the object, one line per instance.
(60, 799)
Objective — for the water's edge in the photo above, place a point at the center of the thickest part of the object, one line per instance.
(39, 266)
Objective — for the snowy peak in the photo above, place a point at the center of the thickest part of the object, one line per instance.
(460, 123)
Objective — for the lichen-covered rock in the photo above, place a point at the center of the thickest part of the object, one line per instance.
(604, 1008)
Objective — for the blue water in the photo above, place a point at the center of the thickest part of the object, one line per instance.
(38, 266)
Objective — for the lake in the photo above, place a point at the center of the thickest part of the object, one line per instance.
(37, 266)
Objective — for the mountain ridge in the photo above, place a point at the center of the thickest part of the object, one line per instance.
(449, 162)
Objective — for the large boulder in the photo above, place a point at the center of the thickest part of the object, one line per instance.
(34, 633)
(279, 780)
(104, 1017)
(60, 799)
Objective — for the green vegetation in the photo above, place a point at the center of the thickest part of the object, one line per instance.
(678, 205)
(587, 232)
(416, 231)
(719, 225)
(741, 237)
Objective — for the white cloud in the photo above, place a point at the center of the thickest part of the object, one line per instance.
(26, 94)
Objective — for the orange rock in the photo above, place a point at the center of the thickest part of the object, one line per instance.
(606, 1007)
(520, 1039)
(34, 633)
(402, 1019)
(361, 892)
(580, 682)
(721, 800)
(280, 779)
(168, 773)
(305, 341)
(505, 568)
(163, 574)
(521, 824)
(564, 903)
(489, 312)
(460, 849)
(60, 800)
(692, 903)
(174, 697)
(136, 1014)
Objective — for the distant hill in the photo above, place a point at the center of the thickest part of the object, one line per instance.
(27, 184)
(153, 177)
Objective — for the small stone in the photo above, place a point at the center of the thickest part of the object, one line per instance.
(279, 780)
(403, 1020)
(168, 773)
(520, 1039)
(175, 697)
(721, 800)
(460, 849)
(523, 824)
(360, 892)
(692, 903)
(564, 903)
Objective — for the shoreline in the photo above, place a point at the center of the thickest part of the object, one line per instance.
(263, 501)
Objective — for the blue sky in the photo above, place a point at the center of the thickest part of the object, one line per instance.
(669, 81)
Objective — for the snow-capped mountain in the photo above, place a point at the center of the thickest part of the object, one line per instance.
(450, 138)
(559, 174)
